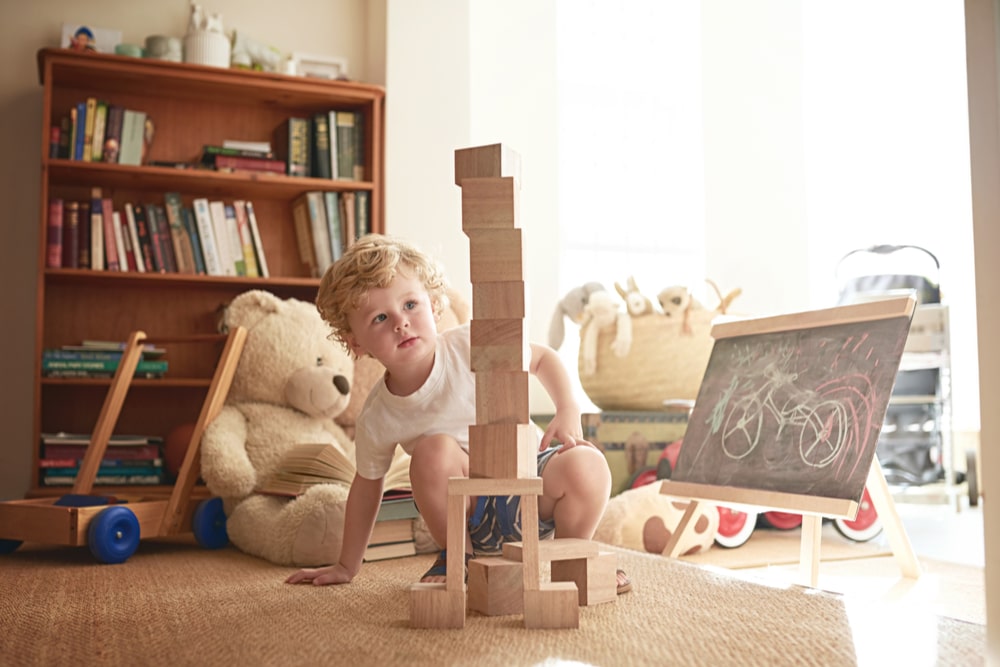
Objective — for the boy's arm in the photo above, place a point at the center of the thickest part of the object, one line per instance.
(359, 518)
(566, 426)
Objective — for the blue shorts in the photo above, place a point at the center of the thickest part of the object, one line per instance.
(497, 519)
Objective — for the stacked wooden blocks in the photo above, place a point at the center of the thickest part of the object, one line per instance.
(502, 442)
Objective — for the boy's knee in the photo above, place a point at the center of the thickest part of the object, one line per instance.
(436, 449)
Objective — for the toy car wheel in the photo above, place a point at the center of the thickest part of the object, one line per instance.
(865, 525)
(113, 535)
(735, 527)
(209, 524)
(972, 477)
(781, 520)
(9, 546)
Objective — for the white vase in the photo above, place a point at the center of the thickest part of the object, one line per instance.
(204, 47)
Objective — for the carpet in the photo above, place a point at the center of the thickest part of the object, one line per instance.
(175, 604)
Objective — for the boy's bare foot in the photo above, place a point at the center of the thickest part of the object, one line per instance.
(437, 574)
(624, 583)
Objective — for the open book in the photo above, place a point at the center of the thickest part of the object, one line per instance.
(307, 464)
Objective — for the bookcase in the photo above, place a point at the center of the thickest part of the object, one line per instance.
(191, 106)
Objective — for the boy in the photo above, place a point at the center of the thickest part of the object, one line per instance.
(383, 298)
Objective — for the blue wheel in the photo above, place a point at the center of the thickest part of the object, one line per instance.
(113, 535)
(9, 546)
(209, 524)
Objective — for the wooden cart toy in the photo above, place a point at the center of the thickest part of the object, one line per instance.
(112, 528)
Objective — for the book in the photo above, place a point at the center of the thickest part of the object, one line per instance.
(104, 480)
(391, 550)
(291, 144)
(179, 239)
(359, 146)
(391, 530)
(126, 257)
(246, 239)
(320, 136)
(303, 234)
(345, 144)
(96, 230)
(304, 465)
(149, 350)
(113, 133)
(348, 215)
(159, 229)
(54, 235)
(112, 245)
(100, 129)
(133, 137)
(88, 129)
(361, 212)
(109, 461)
(107, 466)
(138, 250)
(79, 130)
(55, 131)
(83, 237)
(63, 367)
(208, 152)
(331, 118)
(239, 144)
(258, 245)
(115, 451)
(235, 244)
(227, 255)
(191, 229)
(149, 254)
(236, 163)
(71, 235)
(119, 440)
(320, 231)
(65, 136)
(206, 233)
(333, 223)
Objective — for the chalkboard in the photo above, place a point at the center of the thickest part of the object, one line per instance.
(791, 407)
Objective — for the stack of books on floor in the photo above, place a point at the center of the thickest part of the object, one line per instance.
(392, 536)
(128, 459)
(99, 359)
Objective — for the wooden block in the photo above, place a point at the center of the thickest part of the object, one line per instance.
(503, 451)
(499, 345)
(466, 486)
(456, 541)
(495, 255)
(489, 203)
(492, 161)
(596, 579)
(564, 548)
(497, 301)
(433, 606)
(495, 586)
(502, 397)
(529, 551)
(553, 606)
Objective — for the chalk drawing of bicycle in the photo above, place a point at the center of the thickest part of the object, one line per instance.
(826, 423)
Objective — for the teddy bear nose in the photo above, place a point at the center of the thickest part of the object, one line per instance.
(342, 384)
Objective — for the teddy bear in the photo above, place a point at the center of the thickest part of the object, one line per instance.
(291, 383)
(644, 519)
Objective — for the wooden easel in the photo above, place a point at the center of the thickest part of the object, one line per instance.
(787, 418)
(502, 443)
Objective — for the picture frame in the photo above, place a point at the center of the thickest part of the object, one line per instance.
(321, 67)
(89, 38)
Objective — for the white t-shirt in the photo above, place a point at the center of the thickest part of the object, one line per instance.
(446, 403)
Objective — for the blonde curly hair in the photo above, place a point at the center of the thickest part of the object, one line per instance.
(372, 262)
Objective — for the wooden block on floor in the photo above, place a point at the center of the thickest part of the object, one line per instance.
(503, 451)
(502, 397)
(466, 486)
(433, 606)
(490, 203)
(491, 161)
(495, 255)
(499, 345)
(596, 578)
(553, 606)
(565, 548)
(496, 586)
(498, 301)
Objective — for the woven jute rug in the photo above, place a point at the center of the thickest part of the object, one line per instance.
(173, 603)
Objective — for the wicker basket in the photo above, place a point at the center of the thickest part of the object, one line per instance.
(663, 363)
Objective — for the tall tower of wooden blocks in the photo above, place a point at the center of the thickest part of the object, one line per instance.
(502, 443)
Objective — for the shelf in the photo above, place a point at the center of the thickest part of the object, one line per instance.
(85, 277)
(138, 383)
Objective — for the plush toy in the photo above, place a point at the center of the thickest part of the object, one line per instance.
(291, 382)
(637, 303)
(644, 519)
(601, 312)
(570, 307)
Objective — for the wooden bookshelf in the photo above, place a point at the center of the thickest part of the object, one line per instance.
(191, 106)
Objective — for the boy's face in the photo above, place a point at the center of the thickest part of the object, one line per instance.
(396, 324)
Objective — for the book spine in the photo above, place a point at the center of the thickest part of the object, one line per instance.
(345, 144)
(147, 244)
(320, 231)
(246, 239)
(191, 229)
(332, 200)
(119, 453)
(65, 137)
(257, 243)
(121, 230)
(55, 131)
(236, 246)
(111, 249)
(79, 130)
(303, 234)
(100, 125)
(96, 231)
(71, 235)
(321, 145)
(227, 259)
(209, 151)
(133, 235)
(359, 146)
(293, 138)
(235, 163)
(361, 212)
(54, 238)
(179, 239)
(203, 221)
(84, 235)
(88, 129)
(113, 135)
(102, 365)
(348, 213)
(161, 233)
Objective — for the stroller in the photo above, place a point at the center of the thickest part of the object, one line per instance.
(912, 445)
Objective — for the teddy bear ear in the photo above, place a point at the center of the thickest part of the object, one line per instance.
(248, 308)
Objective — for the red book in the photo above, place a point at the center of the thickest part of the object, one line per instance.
(54, 243)
(236, 163)
(111, 261)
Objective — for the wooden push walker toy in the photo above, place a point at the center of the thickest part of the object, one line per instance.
(502, 443)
